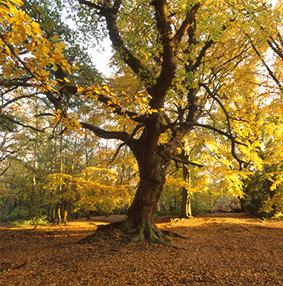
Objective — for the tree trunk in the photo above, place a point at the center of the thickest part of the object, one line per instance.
(69, 188)
(162, 207)
(54, 214)
(141, 213)
(51, 172)
(65, 219)
(34, 167)
(49, 209)
(186, 209)
(87, 214)
(59, 212)
(61, 184)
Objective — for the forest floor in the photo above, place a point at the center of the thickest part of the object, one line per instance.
(223, 249)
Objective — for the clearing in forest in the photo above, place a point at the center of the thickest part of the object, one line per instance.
(223, 249)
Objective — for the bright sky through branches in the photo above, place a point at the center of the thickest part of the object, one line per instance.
(101, 58)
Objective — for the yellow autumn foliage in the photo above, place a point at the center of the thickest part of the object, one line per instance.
(95, 189)
(24, 49)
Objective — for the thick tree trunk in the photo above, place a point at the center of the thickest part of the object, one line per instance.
(141, 213)
(143, 207)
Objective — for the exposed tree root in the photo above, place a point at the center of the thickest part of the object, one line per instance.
(143, 231)
(174, 234)
(103, 232)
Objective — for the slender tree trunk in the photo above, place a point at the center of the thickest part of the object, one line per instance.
(65, 219)
(69, 188)
(41, 199)
(61, 185)
(86, 149)
(186, 209)
(49, 207)
(54, 214)
(51, 172)
(87, 214)
(32, 195)
(34, 170)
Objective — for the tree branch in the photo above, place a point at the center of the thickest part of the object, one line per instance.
(16, 99)
(123, 136)
(6, 83)
(162, 21)
(187, 23)
(274, 46)
(90, 4)
(119, 110)
(117, 152)
(229, 136)
(118, 44)
(266, 66)
(5, 170)
(187, 162)
(220, 104)
(10, 47)
(110, 14)
(21, 124)
(207, 45)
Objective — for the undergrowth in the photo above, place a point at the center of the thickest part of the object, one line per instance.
(34, 221)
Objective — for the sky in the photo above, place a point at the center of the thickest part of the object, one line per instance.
(101, 59)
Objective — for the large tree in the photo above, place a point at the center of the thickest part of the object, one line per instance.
(181, 54)
(196, 68)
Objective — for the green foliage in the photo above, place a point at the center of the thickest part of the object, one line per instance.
(199, 205)
(169, 211)
(18, 213)
(33, 222)
(264, 192)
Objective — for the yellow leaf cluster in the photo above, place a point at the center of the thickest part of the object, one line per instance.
(98, 187)
(94, 187)
(70, 121)
(24, 49)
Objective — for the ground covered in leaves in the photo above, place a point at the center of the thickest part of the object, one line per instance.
(228, 249)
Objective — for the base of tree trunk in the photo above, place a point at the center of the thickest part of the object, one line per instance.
(132, 234)
(144, 231)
